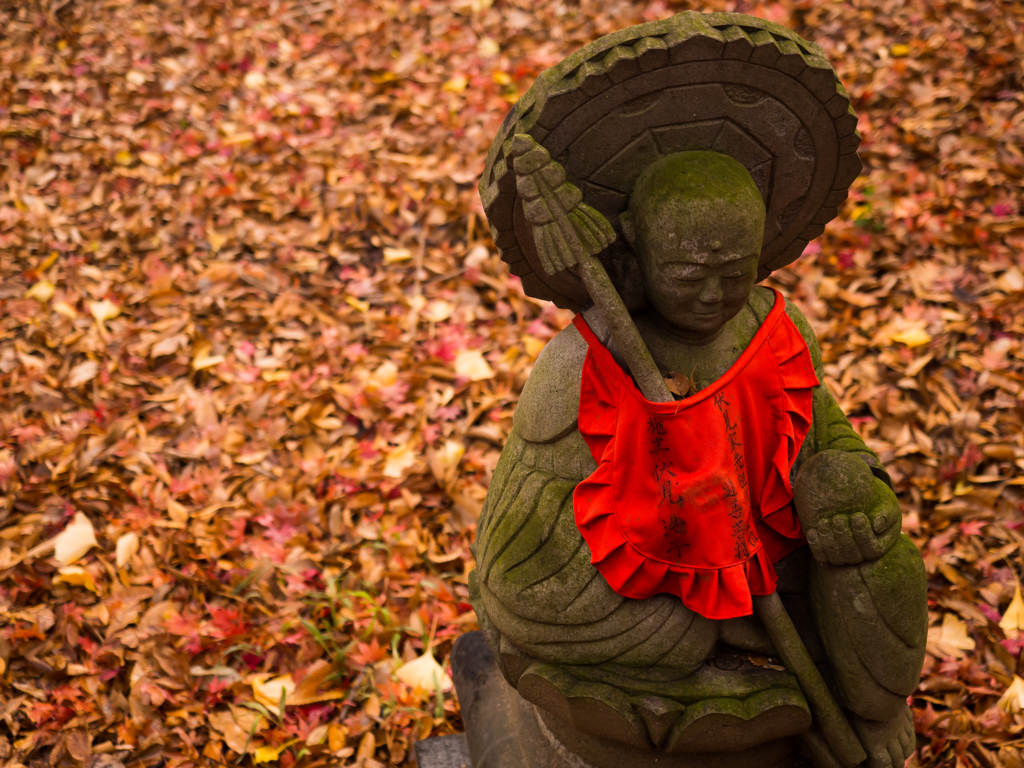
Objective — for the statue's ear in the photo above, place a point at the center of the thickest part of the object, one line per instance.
(628, 227)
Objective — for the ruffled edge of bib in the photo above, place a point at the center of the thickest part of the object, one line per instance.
(797, 380)
(715, 593)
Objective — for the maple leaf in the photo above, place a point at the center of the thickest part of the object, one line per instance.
(368, 653)
(228, 622)
(972, 528)
(40, 711)
(179, 624)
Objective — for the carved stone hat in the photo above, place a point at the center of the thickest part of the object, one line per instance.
(726, 82)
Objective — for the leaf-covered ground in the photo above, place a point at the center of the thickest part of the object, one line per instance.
(258, 357)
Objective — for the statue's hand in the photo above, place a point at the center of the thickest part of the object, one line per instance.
(847, 514)
(855, 535)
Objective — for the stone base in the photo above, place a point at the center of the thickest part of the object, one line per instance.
(505, 731)
(443, 752)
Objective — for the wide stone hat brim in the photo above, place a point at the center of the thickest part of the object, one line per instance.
(726, 82)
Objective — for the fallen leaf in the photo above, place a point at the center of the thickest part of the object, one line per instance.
(1013, 620)
(399, 460)
(127, 547)
(42, 291)
(254, 79)
(235, 725)
(1011, 281)
(533, 345)
(104, 310)
(218, 671)
(487, 47)
(456, 84)
(271, 754)
(950, 638)
(424, 673)
(169, 345)
(75, 575)
(79, 744)
(83, 372)
(385, 376)
(267, 689)
(75, 540)
(203, 359)
(216, 239)
(317, 735)
(367, 746)
(471, 364)
(1012, 700)
(912, 337)
(394, 255)
(438, 310)
(337, 736)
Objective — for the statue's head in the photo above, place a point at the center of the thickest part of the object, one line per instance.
(695, 221)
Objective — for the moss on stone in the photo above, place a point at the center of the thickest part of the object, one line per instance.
(699, 191)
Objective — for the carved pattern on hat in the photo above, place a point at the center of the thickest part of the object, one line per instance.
(763, 88)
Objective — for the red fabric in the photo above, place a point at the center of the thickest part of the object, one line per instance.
(693, 497)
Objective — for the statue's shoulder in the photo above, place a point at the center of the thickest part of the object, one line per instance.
(549, 405)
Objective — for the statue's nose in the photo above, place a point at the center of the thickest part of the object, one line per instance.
(711, 291)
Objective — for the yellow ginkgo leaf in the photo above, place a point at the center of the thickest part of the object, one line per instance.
(271, 754)
(75, 540)
(267, 690)
(42, 291)
(254, 79)
(471, 364)
(385, 376)
(104, 310)
(1012, 700)
(393, 255)
(399, 460)
(949, 638)
(438, 310)
(424, 673)
(73, 574)
(216, 239)
(456, 84)
(127, 547)
(533, 345)
(912, 337)
(1013, 620)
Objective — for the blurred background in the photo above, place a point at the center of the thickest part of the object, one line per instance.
(258, 357)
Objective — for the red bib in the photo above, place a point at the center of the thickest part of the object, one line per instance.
(693, 497)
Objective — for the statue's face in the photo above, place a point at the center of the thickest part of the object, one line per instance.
(697, 277)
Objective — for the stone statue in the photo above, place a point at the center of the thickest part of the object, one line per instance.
(687, 556)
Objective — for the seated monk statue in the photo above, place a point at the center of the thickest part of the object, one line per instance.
(630, 615)
(626, 545)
